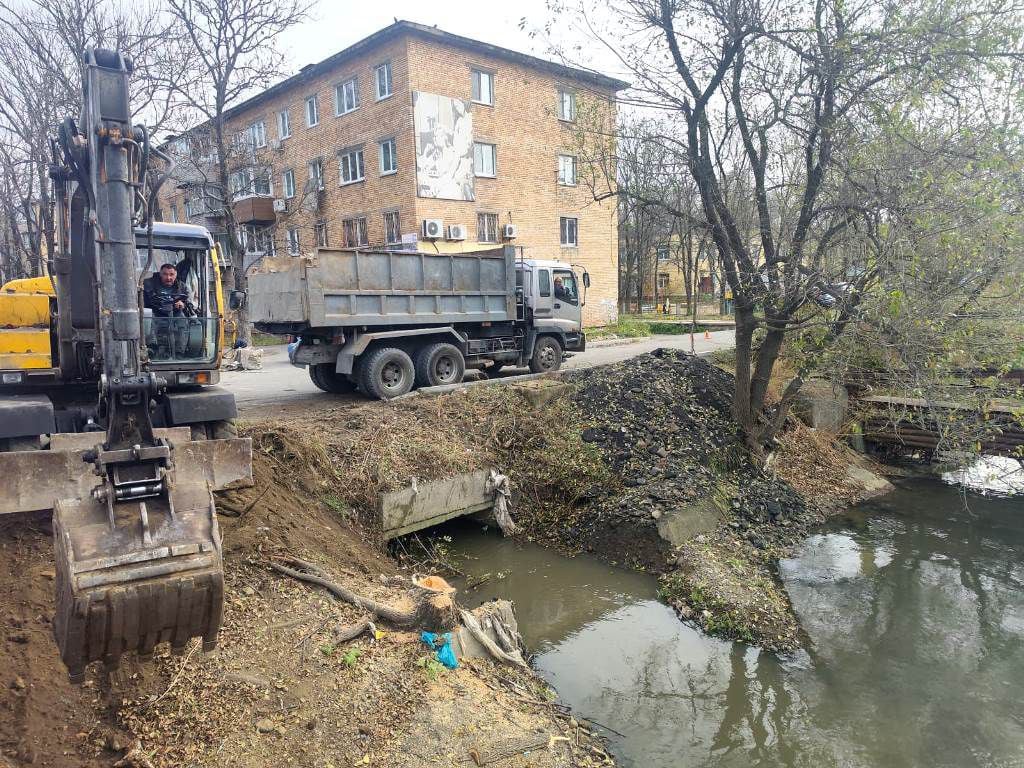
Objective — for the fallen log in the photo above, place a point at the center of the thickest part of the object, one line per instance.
(428, 603)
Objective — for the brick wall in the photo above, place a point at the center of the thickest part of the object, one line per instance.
(523, 124)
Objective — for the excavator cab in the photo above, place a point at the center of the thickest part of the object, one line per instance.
(107, 414)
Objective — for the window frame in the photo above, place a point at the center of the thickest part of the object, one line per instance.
(313, 100)
(383, 67)
(284, 125)
(294, 244)
(397, 228)
(258, 134)
(288, 183)
(494, 160)
(570, 275)
(562, 180)
(562, 93)
(393, 142)
(320, 233)
(344, 154)
(563, 232)
(354, 223)
(317, 163)
(544, 276)
(476, 77)
(485, 217)
(340, 105)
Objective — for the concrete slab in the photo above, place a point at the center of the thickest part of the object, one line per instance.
(426, 504)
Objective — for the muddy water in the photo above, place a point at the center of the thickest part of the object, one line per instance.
(914, 612)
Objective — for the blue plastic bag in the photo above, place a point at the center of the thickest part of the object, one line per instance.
(445, 653)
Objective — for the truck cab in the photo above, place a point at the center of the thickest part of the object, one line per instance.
(553, 296)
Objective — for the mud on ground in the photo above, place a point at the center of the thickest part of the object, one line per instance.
(277, 691)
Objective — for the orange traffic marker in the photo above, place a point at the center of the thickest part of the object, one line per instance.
(707, 334)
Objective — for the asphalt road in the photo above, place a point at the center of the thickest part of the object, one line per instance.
(281, 384)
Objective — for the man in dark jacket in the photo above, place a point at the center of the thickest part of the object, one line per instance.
(165, 294)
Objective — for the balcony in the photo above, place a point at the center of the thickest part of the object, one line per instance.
(254, 209)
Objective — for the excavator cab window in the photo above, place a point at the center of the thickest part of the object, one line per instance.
(179, 306)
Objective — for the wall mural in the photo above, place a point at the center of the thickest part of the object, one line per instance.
(444, 147)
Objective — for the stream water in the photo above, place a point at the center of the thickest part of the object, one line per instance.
(914, 611)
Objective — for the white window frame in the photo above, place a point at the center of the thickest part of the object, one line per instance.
(294, 247)
(392, 150)
(312, 119)
(174, 213)
(389, 87)
(477, 156)
(396, 237)
(361, 230)
(342, 91)
(288, 183)
(347, 160)
(284, 125)
(477, 80)
(567, 171)
(565, 94)
(318, 165)
(484, 234)
(195, 203)
(663, 281)
(258, 134)
(563, 232)
(253, 236)
(243, 182)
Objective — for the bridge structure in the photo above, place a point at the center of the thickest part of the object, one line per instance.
(916, 424)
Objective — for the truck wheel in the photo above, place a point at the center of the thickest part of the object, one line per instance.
(547, 355)
(439, 364)
(214, 430)
(328, 379)
(386, 373)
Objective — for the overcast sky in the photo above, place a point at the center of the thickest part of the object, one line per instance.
(337, 24)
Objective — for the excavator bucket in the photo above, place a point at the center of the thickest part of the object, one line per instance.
(138, 572)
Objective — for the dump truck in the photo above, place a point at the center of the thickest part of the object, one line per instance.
(386, 321)
(109, 417)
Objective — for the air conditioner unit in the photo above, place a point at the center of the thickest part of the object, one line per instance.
(275, 144)
(280, 205)
(456, 231)
(433, 229)
(508, 231)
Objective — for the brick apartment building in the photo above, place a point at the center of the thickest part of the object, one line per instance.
(411, 126)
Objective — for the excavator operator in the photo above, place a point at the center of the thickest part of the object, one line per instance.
(165, 294)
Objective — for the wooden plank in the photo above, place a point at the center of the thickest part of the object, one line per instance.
(426, 504)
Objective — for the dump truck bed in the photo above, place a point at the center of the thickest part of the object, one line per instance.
(338, 288)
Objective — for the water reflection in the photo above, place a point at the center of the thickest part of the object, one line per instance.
(915, 621)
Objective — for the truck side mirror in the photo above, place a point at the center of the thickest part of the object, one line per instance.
(236, 300)
(586, 279)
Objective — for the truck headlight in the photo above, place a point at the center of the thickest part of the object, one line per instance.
(12, 378)
(198, 377)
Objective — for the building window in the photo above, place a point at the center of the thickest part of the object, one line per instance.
(256, 241)
(388, 157)
(174, 214)
(284, 124)
(382, 76)
(662, 252)
(662, 281)
(312, 111)
(351, 166)
(487, 227)
(316, 175)
(250, 181)
(566, 105)
(484, 163)
(293, 241)
(392, 228)
(288, 179)
(346, 97)
(355, 232)
(570, 231)
(320, 232)
(567, 170)
(193, 203)
(258, 132)
(483, 87)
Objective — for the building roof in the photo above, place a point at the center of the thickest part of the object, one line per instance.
(401, 27)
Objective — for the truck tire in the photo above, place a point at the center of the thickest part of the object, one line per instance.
(439, 364)
(547, 355)
(214, 430)
(328, 379)
(386, 372)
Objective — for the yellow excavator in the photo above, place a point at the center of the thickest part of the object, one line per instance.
(109, 417)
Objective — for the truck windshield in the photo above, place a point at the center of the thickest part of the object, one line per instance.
(565, 286)
(179, 307)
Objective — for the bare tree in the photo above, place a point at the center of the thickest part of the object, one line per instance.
(234, 45)
(792, 112)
